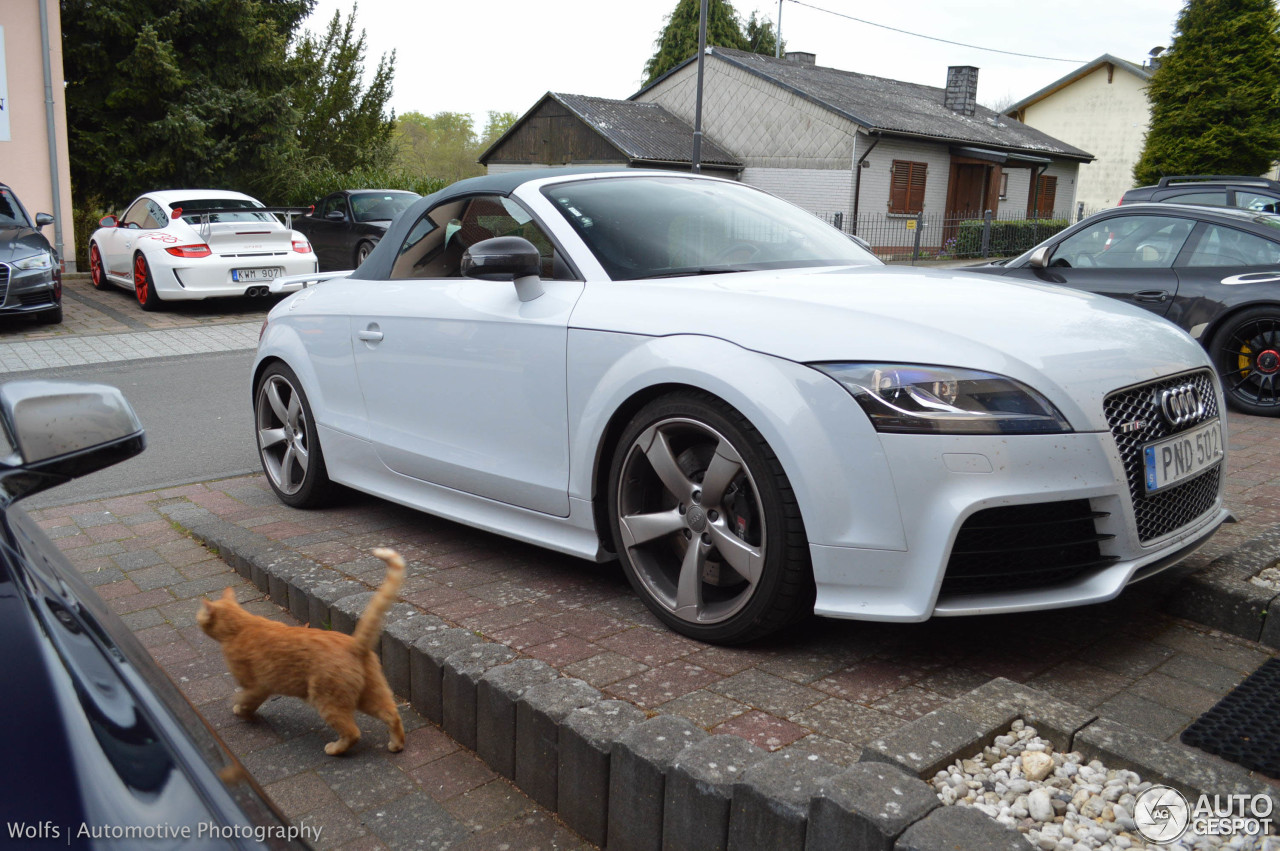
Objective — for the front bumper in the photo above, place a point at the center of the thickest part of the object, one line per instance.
(24, 291)
(942, 481)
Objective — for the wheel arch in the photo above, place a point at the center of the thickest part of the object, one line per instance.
(1223, 319)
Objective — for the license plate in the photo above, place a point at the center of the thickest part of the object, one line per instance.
(270, 272)
(1183, 456)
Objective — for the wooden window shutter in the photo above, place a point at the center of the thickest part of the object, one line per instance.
(1048, 189)
(906, 187)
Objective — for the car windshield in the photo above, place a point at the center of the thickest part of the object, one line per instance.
(11, 211)
(380, 206)
(191, 210)
(655, 227)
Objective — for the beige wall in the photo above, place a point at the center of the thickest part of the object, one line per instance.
(1107, 119)
(24, 158)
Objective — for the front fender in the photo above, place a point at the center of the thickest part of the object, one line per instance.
(825, 443)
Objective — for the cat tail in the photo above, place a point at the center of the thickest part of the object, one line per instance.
(369, 627)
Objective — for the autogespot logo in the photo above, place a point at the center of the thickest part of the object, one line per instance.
(1161, 814)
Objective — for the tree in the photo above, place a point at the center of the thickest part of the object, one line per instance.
(761, 37)
(443, 145)
(498, 123)
(341, 122)
(164, 93)
(679, 38)
(1215, 99)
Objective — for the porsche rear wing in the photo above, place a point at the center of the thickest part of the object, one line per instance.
(205, 212)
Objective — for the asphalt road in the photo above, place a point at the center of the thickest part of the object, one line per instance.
(197, 413)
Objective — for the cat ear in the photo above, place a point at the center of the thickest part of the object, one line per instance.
(228, 593)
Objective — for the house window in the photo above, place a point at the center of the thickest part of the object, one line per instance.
(1041, 202)
(1004, 186)
(906, 186)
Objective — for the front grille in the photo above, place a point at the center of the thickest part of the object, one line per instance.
(1170, 509)
(4, 282)
(1018, 547)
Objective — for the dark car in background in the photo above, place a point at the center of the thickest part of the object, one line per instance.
(100, 746)
(1213, 190)
(1213, 271)
(30, 271)
(346, 225)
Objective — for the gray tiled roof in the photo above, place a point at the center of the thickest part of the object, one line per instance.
(644, 131)
(892, 106)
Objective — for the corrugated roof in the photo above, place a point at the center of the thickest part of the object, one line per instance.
(896, 107)
(644, 131)
(1084, 70)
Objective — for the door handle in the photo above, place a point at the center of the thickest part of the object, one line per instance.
(1156, 296)
(372, 334)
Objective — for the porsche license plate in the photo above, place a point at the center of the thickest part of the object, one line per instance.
(1183, 456)
(265, 274)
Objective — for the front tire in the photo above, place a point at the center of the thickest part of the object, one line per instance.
(705, 522)
(144, 284)
(1246, 353)
(97, 274)
(287, 443)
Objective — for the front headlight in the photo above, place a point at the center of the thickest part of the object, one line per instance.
(34, 263)
(913, 399)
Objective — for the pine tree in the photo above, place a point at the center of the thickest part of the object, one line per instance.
(679, 38)
(1215, 99)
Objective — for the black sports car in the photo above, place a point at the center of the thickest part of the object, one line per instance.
(1213, 271)
(101, 749)
(30, 271)
(346, 225)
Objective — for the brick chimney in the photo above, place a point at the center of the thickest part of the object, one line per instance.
(802, 58)
(962, 89)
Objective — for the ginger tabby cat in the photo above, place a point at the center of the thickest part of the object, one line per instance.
(335, 673)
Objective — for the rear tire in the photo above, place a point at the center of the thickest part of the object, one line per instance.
(288, 446)
(705, 522)
(144, 285)
(1246, 353)
(363, 250)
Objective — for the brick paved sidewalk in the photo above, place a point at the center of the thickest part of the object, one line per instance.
(432, 794)
(826, 688)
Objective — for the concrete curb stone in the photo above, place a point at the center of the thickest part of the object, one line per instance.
(770, 807)
(951, 828)
(325, 594)
(462, 670)
(587, 739)
(345, 613)
(699, 794)
(1221, 595)
(867, 806)
(405, 624)
(539, 714)
(426, 669)
(640, 763)
(496, 696)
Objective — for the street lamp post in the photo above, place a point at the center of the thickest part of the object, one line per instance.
(697, 113)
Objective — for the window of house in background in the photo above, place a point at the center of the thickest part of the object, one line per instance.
(1041, 202)
(1004, 186)
(906, 186)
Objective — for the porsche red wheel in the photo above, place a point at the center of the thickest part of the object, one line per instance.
(96, 273)
(143, 284)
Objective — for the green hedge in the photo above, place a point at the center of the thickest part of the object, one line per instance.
(1007, 238)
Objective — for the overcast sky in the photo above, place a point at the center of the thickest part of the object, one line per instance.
(503, 55)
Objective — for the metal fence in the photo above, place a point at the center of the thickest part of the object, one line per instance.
(951, 236)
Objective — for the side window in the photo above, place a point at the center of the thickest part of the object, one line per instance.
(1256, 201)
(1207, 199)
(137, 215)
(1125, 242)
(333, 202)
(906, 186)
(1223, 246)
(156, 218)
(437, 241)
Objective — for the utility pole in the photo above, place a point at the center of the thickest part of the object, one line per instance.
(697, 114)
(777, 34)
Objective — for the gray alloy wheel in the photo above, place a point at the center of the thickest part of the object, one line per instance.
(287, 443)
(705, 522)
(363, 250)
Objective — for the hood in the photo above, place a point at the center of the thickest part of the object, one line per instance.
(1073, 347)
(17, 241)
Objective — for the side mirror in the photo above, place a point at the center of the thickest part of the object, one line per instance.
(108, 222)
(55, 431)
(506, 258)
(336, 216)
(1039, 258)
(43, 219)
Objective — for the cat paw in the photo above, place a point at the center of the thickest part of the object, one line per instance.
(395, 747)
(242, 710)
(335, 748)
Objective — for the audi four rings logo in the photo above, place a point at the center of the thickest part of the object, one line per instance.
(1180, 405)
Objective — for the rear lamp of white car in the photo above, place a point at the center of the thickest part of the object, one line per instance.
(197, 250)
(915, 399)
(302, 246)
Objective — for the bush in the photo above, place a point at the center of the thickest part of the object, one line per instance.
(309, 187)
(1007, 238)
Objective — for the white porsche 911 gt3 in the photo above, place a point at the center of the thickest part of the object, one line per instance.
(185, 244)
